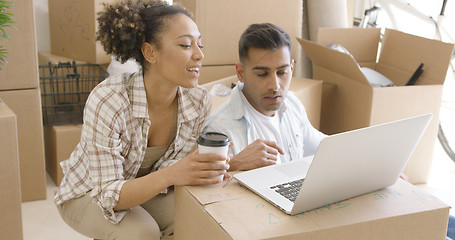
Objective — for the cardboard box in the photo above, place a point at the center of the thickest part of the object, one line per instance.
(401, 211)
(222, 22)
(73, 29)
(45, 57)
(10, 200)
(212, 73)
(349, 102)
(217, 99)
(309, 92)
(21, 71)
(26, 105)
(60, 142)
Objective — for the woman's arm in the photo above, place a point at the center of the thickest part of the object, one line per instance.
(195, 169)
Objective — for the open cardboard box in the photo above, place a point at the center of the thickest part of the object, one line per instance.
(401, 211)
(350, 102)
(309, 92)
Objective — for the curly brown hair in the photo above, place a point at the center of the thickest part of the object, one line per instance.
(125, 25)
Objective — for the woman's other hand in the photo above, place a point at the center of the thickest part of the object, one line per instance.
(198, 169)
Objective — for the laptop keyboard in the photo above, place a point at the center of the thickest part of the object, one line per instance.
(289, 190)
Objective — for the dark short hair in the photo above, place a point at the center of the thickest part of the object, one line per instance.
(263, 36)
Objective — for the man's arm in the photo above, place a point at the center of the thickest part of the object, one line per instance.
(259, 153)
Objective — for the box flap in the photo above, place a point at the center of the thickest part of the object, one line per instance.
(190, 217)
(333, 60)
(362, 43)
(405, 52)
(205, 194)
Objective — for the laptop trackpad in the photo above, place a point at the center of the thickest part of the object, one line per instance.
(294, 170)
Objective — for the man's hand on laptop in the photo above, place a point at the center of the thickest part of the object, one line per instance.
(260, 153)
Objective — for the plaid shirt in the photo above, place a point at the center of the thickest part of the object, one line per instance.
(114, 140)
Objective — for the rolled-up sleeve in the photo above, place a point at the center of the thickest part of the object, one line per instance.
(105, 122)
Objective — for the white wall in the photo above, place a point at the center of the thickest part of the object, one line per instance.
(42, 25)
(414, 18)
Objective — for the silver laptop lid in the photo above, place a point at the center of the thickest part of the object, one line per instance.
(361, 161)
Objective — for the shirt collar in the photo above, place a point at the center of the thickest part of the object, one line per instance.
(138, 94)
(237, 107)
(187, 110)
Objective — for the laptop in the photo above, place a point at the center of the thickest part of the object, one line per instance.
(345, 165)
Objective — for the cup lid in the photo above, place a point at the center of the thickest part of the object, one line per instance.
(213, 139)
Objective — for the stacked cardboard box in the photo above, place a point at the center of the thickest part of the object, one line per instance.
(222, 22)
(73, 29)
(19, 90)
(350, 102)
(10, 200)
(60, 142)
(44, 58)
(73, 26)
(211, 73)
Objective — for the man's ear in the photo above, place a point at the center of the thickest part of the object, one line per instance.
(239, 71)
(149, 51)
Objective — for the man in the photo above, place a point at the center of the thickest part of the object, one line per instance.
(267, 124)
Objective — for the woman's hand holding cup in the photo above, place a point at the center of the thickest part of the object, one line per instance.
(213, 142)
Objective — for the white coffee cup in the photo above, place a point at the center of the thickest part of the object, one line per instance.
(213, 142)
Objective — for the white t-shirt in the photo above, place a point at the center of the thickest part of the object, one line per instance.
(268, 128)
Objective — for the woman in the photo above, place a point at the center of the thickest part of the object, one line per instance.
(140, 128)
